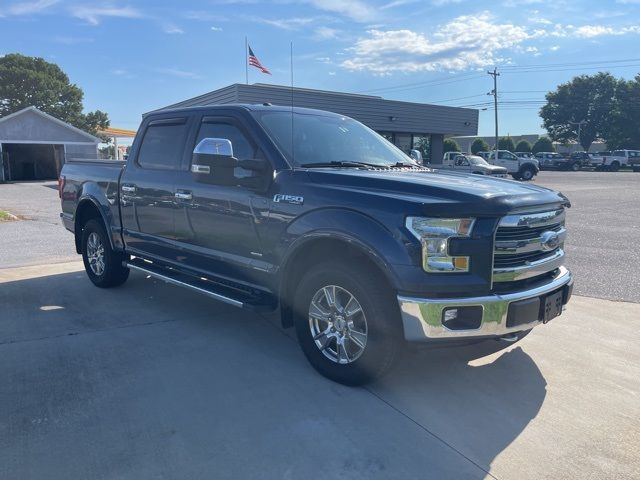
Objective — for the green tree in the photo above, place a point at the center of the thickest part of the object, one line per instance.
(506, 143)
(450, 145)
(479, 145)
(625, 124)
(424, 145)
(543, 144)
(587, 98)
(523, 146)
(32, 81)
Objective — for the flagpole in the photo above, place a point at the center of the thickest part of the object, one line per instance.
(246, 59)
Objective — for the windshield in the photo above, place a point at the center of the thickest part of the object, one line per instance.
(322, 139)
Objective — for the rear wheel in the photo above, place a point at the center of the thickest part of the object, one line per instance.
(102, 264)
(527, 173)
(575, 166)
(347, 323)
(615, 166)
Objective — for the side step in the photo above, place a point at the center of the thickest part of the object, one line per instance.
(204, 286)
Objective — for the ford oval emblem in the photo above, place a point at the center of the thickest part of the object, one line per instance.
(549, 240)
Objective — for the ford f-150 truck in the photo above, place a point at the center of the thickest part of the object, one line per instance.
(316, 217)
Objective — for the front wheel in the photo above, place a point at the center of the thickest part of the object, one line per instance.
(102, 264)
(347, 323)
(575, 166)
(615, 166)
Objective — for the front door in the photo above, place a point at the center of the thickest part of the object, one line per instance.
(147, 188)
(217, 225)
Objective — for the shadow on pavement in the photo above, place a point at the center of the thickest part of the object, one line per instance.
(150, 380)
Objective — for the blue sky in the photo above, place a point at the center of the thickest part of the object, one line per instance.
(132, 57)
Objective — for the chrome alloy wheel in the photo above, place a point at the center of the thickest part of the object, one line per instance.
(338, 324)
(95, 254)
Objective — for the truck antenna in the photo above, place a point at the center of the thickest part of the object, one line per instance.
(292, 94)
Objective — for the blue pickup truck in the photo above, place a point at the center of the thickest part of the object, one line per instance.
(315, 216)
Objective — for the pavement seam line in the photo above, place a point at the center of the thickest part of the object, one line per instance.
(415, 422)
(437, 437)
(77, 334)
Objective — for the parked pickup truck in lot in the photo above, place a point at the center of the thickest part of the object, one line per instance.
(315, 216)
(612, 161)
(471, 164)
(518, 168)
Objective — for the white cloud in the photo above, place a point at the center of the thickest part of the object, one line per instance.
(442, 3)
(174, 72)
(465, 42)
(354, 9)
(554, 48)
(285, 23)
(325, 33)
(28, 8)
(216, 29)
(592, 31)
(172, 29)
(398, 3)
(93, 14)
(68, 40)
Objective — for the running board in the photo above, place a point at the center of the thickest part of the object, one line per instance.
(165, 278)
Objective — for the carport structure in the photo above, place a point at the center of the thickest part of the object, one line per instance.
(34, 145)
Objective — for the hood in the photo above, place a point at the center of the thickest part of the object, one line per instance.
(452, 191)
(495, 168)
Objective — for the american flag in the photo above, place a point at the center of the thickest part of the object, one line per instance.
(254, 62)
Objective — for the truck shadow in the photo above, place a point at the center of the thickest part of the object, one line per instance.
(472, 399)
(477, 398)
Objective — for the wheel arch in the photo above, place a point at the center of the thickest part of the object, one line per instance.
(88, 208)
(313, 249)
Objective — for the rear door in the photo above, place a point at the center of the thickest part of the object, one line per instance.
(147, 199)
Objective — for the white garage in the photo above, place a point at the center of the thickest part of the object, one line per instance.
(34, 145)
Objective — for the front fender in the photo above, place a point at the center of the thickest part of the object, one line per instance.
(384, 247)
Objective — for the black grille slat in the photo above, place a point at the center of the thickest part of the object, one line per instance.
(502, 261)
(521, 233)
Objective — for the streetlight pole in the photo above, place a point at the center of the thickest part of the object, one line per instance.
(494, 92)
(579, 124)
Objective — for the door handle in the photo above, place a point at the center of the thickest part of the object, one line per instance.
(129, 188)
(184, 195)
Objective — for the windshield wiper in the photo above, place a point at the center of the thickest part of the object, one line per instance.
(404, 165)
(339, 164)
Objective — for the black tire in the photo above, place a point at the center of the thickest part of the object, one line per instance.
(112, 272)
(527, 173)
(380, 311)
(636, 169)
(575, 167)
(516, 176)
(615, 166)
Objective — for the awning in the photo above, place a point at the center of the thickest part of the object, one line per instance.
(117, 132)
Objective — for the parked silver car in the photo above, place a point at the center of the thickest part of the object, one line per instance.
(472, 164)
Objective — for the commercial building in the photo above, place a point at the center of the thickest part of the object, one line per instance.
(35, 145)
(406, 124)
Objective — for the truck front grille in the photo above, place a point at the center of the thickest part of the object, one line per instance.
(529, 245)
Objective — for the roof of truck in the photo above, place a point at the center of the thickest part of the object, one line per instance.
(244, 106)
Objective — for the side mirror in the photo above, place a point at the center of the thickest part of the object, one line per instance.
(213, 162)
(416, 155)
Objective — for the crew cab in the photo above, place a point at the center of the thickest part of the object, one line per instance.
(556, 161)
(518, 168)
(313, 215)
(472, 164)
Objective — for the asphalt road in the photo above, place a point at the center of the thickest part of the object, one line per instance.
(39, 237)
(153, 381)
(602, 247)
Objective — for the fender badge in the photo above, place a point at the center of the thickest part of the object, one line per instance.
(292, 199)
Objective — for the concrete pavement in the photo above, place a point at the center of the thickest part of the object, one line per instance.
(149, 380)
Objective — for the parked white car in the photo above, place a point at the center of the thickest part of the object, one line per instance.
(518, 168)
(612, 161)
(472, 164)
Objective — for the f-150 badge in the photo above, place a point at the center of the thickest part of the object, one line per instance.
(293, 199)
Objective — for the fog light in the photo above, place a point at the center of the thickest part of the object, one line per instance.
(462, 318)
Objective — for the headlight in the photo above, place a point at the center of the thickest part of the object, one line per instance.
(434, 235)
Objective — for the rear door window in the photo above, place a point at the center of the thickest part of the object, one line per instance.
(163, 144)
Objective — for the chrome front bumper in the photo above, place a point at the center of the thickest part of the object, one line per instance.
(422, 317)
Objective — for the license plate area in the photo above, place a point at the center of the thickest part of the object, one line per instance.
(552, 306)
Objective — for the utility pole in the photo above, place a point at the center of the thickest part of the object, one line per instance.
(579, 124)
(494, 92)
